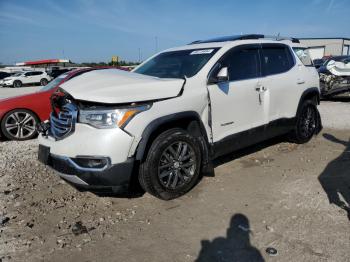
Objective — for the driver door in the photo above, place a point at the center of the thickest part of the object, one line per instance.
(239, 104)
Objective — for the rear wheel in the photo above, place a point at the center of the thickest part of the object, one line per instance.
(17, 83)
(306, 124)
(172, 166)
(43, 82)
(19, 125)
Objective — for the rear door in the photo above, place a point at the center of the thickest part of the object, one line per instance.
(281, 81)
(235, 104)
(36, 77)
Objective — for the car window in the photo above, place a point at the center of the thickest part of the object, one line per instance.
(37, 73)
(176, 64)
(242, 62)
(276, 59)
(304, 56)
(28, 74)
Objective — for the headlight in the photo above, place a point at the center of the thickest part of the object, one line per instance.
(110, 118)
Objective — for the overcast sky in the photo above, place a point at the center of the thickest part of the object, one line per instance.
(94, 30)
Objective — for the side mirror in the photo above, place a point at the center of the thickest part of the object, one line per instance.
(222, 76)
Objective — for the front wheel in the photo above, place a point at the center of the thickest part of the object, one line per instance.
(17, 83)
(306, 123)
(19, 124)
(172, 166)
(43, 82)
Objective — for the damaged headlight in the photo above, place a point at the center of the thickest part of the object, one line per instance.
(110, 118)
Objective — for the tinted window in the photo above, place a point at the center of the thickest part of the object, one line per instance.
(36, 73)
(243, 63)
(276, 59)
(4, 74)
(28, 74)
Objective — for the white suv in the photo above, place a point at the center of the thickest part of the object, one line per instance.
(162, 124)
(27, 77)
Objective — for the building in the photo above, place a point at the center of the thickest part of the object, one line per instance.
(45, 63)
(320, 47)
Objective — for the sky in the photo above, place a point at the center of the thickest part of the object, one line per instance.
(96, 30)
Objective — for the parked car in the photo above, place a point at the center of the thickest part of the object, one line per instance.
(335, 76)
(25, 78)
(323, 69)
(319, 62)
(20, 115)
(164, 122)
(2, 76)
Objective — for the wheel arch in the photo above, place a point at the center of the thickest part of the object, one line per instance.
(312, 94)
(188, 120)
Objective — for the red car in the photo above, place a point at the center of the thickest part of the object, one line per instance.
(20, 115)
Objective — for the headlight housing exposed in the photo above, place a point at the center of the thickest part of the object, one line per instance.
(110, 118)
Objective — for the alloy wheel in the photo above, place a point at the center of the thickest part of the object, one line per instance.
(177, 165)
(20, 125)
(308, 122)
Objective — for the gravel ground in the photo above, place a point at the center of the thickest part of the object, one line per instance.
(335, 114)
(294, 198)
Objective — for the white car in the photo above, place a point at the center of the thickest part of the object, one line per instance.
(27, 77)
(162, 124)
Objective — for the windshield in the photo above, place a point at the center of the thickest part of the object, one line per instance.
(177, 64)
(18, 74)
(54, 82)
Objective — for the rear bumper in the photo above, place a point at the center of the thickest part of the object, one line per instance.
(111, 178)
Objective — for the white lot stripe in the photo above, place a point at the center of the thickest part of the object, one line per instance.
(6, 92)
(335, 114)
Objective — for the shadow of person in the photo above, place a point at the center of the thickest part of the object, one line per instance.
(335, 178)
(235, 247)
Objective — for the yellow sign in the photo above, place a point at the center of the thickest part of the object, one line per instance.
(115, 59)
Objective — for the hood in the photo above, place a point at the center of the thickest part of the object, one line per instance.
(7, 78)
(117, 86)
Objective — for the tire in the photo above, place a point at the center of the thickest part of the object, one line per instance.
(19, 124)
(306, 124)
(166, 173)
(17, 83)
(43, 82)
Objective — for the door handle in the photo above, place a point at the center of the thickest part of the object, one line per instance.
(300, 82)
(261, 88)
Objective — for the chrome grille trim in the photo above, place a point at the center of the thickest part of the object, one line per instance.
(63, 125)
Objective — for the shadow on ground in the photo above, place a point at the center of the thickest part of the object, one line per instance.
(335, 179)
(234, 247)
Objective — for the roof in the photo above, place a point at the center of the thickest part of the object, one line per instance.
(245, 37)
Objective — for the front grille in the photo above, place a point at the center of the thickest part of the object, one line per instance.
(63, 123)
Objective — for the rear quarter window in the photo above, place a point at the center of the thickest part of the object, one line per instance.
(303, 55)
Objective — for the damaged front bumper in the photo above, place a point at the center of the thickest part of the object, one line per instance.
(95, 174)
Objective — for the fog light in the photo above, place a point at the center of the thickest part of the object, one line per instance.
(85, 162)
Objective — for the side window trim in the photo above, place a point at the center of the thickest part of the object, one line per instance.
(235, 48)
(291, 54)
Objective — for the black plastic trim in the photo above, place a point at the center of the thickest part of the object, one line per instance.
(155, 124)
(252, 136)
(115, 175)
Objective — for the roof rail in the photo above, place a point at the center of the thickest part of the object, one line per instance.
(244, 37)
